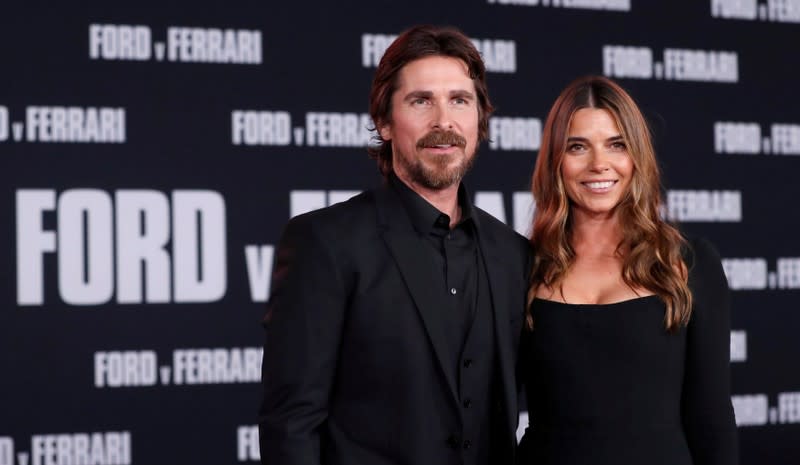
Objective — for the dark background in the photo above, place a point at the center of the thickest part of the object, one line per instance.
(178, 136)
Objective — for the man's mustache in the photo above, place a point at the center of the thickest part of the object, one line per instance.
(435, 138)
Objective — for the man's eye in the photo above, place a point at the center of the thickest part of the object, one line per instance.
(575, 147)
(419, 101)
(618, 146)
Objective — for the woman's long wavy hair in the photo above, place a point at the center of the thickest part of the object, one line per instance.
(650, 247)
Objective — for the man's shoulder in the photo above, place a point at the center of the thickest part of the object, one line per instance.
(355, 211)
(504, 244)
(498, 230)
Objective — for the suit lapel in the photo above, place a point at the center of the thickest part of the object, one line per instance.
(496, 274)
(417, 270)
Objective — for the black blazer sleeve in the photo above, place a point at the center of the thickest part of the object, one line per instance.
(706, 401)
(303, 324)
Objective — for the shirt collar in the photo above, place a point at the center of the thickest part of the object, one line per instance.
(425, 217)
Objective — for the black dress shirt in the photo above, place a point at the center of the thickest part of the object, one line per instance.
(455, 252)
(465, 298)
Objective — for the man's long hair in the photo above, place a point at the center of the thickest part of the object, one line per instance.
(413, 44)
(652, 258)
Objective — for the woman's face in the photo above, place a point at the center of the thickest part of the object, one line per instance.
(596, 168)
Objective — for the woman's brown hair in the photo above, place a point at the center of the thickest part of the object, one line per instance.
(652, 258)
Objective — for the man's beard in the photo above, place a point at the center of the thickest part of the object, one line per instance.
(440, 175)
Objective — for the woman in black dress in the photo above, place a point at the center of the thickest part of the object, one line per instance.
(626, 356)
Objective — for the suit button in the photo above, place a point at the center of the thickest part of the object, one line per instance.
(467, 403)
(467, 363)
(453, 441)
(467, 444)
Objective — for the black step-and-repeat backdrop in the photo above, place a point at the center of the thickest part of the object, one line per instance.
(151, 154)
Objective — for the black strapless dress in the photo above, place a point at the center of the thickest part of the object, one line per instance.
(607, 384)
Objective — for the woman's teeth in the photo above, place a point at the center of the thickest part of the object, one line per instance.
(599, 185)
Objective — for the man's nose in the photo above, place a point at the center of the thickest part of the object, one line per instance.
(442, 117)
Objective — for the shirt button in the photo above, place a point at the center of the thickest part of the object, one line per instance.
(467, 403)
(453, 290)
(467, 363)
(467, 444)
(452, 441)
(449, 236)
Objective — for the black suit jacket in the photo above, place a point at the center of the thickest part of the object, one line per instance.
(354, 365)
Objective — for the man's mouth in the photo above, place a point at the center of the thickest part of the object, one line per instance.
(441, 140)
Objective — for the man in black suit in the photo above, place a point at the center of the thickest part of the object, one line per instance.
(394, 318)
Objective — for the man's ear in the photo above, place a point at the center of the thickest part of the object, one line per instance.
(385, 131)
